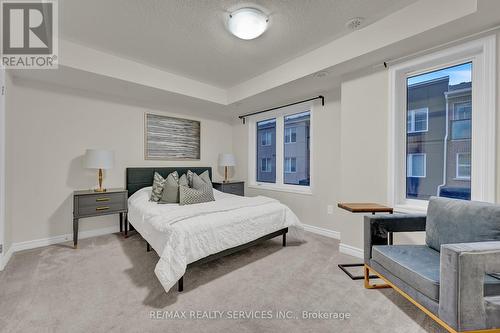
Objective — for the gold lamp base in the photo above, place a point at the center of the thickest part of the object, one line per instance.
(100, 189)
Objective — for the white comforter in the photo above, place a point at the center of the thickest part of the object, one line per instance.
(195, 231)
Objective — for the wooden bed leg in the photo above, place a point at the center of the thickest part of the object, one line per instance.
(148, 247)
(284, 239)
(180, 284)
(126, 227)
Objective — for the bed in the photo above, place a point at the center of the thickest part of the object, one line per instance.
(184, 236)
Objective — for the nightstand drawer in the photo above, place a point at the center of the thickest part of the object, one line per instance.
(233, 189)
(101, 199)
(102, 208)
(237, 188)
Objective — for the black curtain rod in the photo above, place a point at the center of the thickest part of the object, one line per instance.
(283, 106)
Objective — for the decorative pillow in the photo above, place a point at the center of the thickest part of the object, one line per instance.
(183, 181)
(189, 196)
(157, 190)
(171, 189)
(190, 178)
(201, 181)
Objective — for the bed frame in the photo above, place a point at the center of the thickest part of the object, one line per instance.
(137, 178)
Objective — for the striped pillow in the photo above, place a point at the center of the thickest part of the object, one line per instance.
(158, 183)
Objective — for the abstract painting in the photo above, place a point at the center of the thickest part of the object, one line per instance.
(169, 138)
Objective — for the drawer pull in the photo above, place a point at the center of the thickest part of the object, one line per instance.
(101, 199)
(102, 208)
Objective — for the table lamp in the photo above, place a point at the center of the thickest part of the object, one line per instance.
(99, 159)
(226, 160)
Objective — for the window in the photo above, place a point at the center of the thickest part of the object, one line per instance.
(418, 120)
(290, 134)
(461, 126)
(290, 164)
(266, 151)
(296, 168)
(265, 165)
(265, 138)
(463, 166)
(449, 96)
(416, 166)
(284, 163)
(462, 111)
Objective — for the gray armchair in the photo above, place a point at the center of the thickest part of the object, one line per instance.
(454, 276)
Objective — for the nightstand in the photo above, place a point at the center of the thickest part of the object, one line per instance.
(89, 203)
(233, 187)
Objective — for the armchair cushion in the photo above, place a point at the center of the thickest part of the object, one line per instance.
(459, 221)
(418, 266)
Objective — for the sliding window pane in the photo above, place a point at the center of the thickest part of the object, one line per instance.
(438, 138)
(296, 162)
(266, 151)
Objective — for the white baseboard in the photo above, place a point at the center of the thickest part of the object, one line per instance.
(322, 231)
(351, 250)
(53, 240)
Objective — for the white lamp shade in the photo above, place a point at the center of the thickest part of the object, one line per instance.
(226, 160)
(99, 159)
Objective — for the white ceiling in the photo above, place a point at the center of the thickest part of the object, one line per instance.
(189, 38)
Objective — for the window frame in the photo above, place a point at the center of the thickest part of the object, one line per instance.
(457, 167)
(482, 53)
(280, 115)
(413, 112)
(410, 167)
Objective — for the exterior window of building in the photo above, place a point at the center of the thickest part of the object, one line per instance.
(418, 120)
(265, 165)
(291, 135)
(297, 155)
(265, 138)
(290, 164)
(266, 151)
(416, 166)
(461, 126)
(463, 166)
(438, 101)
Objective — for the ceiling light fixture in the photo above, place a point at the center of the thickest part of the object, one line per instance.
(247, 23)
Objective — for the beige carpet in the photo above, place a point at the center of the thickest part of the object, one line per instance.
(108, 285)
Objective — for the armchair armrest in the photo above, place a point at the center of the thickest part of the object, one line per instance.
(376, 228)
(461, 294)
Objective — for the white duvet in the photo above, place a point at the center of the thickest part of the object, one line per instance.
(184, 234)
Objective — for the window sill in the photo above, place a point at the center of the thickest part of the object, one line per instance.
(292, 189)
(410, 209)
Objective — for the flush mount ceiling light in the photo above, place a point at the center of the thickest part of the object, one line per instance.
(247, 23)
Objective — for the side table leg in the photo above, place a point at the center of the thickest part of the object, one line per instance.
(75, 233)
(126, 225)
(121, 223)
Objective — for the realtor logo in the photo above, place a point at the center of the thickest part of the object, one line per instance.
(29, 34)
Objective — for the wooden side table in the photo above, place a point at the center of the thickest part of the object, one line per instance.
(358, 207)
(89, 203)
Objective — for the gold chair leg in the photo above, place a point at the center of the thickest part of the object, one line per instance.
(372, 286)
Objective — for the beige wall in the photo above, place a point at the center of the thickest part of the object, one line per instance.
(47, 135)
(311, 209)
(363, 157)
